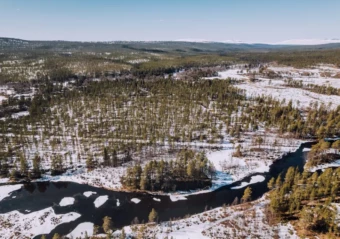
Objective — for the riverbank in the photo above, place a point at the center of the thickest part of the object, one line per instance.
(125, 207)
(247, 220)
(229, 169)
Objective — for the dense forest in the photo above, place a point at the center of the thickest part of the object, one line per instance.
(323, 152)
(327, 90)
(129, 115)
(189, 171)
(308, 199)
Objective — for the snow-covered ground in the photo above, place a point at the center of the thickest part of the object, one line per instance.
(2, 98)
(327, 75)
(5, 191)
(103, 177)
(231, 73)
(334, 164)
(242, 221)
(21, 226)
(301, 98)
(20, 114)
(83, 229)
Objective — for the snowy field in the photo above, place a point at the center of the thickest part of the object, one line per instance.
(301, 98)
(327, 75)
(17, 225)
(5, 191)
(322, 167)
(242, 221)
(83, 229)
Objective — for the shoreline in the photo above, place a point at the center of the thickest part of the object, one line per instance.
(234, 180)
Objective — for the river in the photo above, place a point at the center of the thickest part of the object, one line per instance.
(37, 196)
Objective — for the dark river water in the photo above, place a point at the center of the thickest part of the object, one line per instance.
(38, 196)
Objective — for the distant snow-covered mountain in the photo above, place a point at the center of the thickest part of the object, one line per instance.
(308, 42)
(286, 42)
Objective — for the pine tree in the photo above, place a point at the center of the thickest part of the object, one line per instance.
(153, 215)
(95, 229)
(90, 163)
(235, 202)
(271, 183)
(56, 236)
(278, 182)
(238, 152)
(36, 166)
(106, 157)
(289, 179)
(14, 174)
(23, 165)
(107, 224)
(122, 235)
(247, 194)
(114, 158)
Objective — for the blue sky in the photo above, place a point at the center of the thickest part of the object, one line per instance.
(106, 20)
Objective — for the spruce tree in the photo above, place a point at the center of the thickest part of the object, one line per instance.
(107, 224)
(247, 194)
(23, 165)
(106, 157)
(153, 215)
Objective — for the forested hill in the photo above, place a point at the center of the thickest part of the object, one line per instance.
(178, 47)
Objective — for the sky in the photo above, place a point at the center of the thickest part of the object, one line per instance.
(265, 21)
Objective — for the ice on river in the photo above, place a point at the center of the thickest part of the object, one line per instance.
(89, 193)
(254, 179)
(135, 200)
(66, 201)
(100, 201)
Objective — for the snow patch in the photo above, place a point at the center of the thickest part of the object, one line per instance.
(254, 179)
(5, 191)
(89, 193)
(20, 114)
(18, 225)
(79, 231)
(135, 200)
(176, 198)
(100, 201)
(334, 164)
(66, 201)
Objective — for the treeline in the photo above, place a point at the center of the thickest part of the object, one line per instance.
(307, 198)
(323, 89)
(190, 170)
(323, 152)
(21, 170)
(296, 58)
